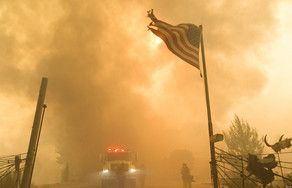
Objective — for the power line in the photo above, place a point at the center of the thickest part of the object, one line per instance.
(231, 154)
(239, 173)
(242, 173)
(233, 164)
(228, 177)
(286, 162)
(285, 167)
(224, 178)
(11, 167)
(287, 152)
(282, 177)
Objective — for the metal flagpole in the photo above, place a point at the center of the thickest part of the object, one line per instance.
(210, 126)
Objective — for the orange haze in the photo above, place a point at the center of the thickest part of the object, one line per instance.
(112, 82)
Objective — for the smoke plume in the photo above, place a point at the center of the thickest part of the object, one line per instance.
(109, 85)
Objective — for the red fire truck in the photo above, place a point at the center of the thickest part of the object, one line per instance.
(119, 169)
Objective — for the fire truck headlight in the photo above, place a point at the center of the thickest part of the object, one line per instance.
(132, 170)
(105, 171)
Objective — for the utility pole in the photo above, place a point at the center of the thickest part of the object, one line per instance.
(35, 132)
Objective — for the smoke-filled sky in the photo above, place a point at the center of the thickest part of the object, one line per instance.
(113, 82)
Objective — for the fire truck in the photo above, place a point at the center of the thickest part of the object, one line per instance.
(119, 169)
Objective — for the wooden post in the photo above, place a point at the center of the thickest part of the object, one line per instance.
(242, 172)
(280, 165)
(36, 129)
(210, 126)
(17, 162)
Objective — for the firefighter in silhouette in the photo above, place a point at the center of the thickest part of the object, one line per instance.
(187, 178)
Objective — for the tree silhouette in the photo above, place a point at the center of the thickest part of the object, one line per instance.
(242, 139)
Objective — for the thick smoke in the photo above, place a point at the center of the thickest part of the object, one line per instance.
(107, 85)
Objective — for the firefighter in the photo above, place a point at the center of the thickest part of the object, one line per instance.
(187, 178)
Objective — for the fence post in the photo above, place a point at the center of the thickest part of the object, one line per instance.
(17, 170)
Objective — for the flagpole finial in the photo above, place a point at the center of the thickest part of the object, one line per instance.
(151, 15)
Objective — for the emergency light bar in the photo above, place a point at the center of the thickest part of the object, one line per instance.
(115, 150)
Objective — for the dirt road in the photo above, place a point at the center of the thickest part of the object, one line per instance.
(84, 185)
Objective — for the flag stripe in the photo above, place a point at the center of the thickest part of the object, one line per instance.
(177, 43)
(173, 49)
(183, 40)
(183, 33)
(189, 50)
(181, 30)
(184, 26)
(182, 37)
(192, 33)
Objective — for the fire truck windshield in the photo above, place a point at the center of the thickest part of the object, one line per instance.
(119, 156)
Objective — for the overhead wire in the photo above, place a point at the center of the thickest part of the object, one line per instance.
(224, 178)
(7, 169)
(252, 180)
(229, 177)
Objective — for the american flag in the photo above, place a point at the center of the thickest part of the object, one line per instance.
(183, 40)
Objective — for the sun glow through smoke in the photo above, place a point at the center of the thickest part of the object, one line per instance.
(154, 41)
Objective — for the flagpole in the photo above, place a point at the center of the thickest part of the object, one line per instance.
(214, 174)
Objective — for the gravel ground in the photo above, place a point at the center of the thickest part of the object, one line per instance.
(84, 185)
